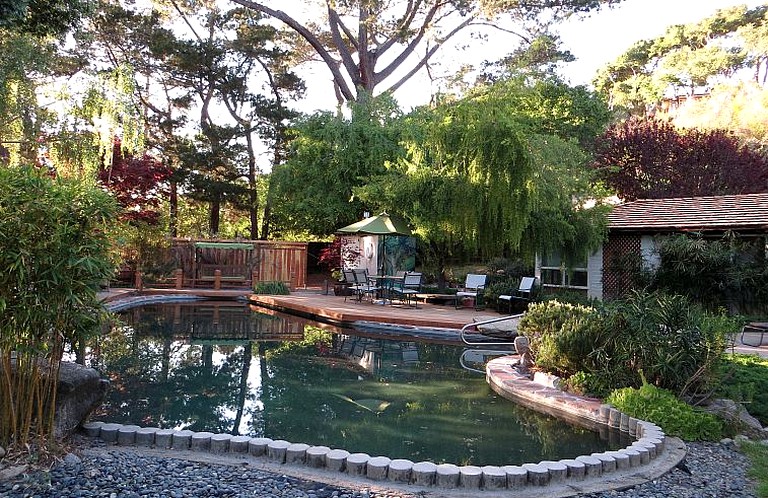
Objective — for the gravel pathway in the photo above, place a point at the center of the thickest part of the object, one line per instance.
(717, 470)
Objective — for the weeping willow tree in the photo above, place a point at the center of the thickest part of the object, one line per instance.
(54, 254)
(103, 113)
(501, 171)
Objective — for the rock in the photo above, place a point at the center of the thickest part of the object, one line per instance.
(72, 460)
(12, 472)
(735, 413)
(80, 391)
(2, 452)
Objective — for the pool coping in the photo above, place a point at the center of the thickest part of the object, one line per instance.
(651, 455)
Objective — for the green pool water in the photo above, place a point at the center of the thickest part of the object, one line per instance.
(223, 367)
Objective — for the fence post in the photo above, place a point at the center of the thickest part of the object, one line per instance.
(217, 279)
(179, 278)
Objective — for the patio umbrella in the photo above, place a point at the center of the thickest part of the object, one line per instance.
(381, 224)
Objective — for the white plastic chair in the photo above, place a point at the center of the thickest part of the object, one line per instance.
(473, 288)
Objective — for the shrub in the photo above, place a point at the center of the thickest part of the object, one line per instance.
(728, 272)
(570, 297)
(493, 291)
(54, 253)
(588, 384)
(274, 288)
(672, 341)
(563, 337)
(510, 269)
(675, 343)
(661, 407)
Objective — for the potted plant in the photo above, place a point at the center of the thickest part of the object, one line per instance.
(331, 258)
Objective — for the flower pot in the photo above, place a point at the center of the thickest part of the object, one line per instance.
(341, 289)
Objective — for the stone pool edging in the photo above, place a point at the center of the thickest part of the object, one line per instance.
(650, 455)
(123, 303)
(586, 472)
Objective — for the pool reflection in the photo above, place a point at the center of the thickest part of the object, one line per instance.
(222, 367)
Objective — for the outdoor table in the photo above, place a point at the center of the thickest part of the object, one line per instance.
(384, 284)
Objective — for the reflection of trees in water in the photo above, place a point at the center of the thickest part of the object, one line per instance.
(160, 382)
(402, 399)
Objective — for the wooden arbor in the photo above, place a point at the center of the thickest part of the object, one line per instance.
(240, 263)
(223, 262)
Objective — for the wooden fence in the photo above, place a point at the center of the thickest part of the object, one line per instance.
(241, 262)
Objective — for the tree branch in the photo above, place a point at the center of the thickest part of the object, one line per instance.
(302, 30)
(407, 52)
(410, 16)
(346, 56)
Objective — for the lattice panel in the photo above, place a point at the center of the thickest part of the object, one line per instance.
(615, 251)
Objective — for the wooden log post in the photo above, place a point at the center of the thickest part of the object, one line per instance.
(179, 278)
(139, 284)
(217, 279)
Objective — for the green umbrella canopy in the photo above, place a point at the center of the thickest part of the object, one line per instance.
(381, 224)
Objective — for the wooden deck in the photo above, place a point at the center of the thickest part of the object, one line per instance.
(335, 309)
(315, 305)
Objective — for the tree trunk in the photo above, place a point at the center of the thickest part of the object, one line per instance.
(213, 224)
(174, 209)
(253, 193)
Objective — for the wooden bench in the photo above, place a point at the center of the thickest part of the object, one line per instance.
(219, 274)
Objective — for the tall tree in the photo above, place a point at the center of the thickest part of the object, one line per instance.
(371, 47)
(42, 17)
(740, 107)
(650, 159)
(214, 60)
(685, 58)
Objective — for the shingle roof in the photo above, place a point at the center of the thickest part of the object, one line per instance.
(725, 212)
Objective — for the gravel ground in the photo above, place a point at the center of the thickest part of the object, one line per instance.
(716, 470)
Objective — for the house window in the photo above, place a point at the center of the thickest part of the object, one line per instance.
(555, 274)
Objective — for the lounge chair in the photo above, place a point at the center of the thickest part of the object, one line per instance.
(407, 287)
(523, 293)
(474, 285)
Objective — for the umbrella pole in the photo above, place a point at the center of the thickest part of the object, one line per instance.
(383, 255)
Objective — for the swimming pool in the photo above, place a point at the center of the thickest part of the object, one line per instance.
(222, 367)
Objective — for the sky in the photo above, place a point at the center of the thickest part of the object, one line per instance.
(594, 41)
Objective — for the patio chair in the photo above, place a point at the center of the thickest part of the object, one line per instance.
(474, 286)
(523, 294)
(407, 288)
(363, 286)
(349, 278)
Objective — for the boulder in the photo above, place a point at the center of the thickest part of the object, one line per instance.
(80, 391)
(735, 413)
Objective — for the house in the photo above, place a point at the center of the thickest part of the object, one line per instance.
(633, 228)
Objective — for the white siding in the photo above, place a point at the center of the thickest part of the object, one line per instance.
(649, 253)
(595, 274)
